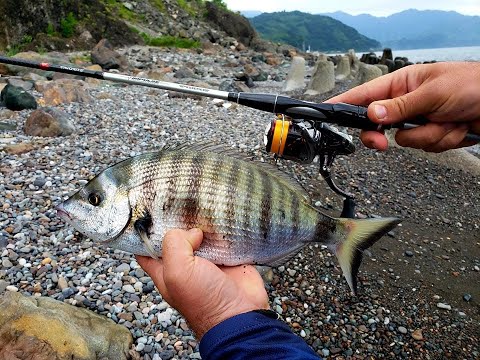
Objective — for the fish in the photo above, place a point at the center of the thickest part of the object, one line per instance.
(250, 212)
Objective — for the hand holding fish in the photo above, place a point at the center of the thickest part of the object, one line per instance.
(448, 94)
(204, 293)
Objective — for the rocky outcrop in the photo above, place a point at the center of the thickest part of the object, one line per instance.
(43, 328)
(233, 24)
(45, 24)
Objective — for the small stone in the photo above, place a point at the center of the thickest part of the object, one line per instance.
(12, 288)
(444, 306)
(140, 347)
(128, 288)
(125, 268)
(62, 283)
(408, 253)
(362, 328)
(467, 297)
(402, 330)
(417, 335)
(303, 333)
(46, 261)
(291, 272)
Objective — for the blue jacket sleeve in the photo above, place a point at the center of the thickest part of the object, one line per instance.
(253, 335)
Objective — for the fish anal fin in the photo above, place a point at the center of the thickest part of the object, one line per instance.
(282, 259)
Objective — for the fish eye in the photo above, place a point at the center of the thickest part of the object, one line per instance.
(94, 199)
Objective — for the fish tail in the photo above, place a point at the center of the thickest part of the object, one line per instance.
(353, 237)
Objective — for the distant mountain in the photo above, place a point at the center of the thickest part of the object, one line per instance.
(304, 30)
(250, 13)
(414, 29)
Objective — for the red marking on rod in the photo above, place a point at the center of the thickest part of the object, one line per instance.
(44, 66)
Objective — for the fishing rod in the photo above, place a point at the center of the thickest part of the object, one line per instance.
(341, 114)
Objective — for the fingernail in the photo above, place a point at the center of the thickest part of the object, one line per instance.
(380, 112)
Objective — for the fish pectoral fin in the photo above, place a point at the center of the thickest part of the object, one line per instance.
(284, 257)
(141, 226)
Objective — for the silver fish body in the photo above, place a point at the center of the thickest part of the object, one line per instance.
(249, 213)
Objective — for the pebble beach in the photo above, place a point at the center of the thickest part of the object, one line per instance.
(419, 286)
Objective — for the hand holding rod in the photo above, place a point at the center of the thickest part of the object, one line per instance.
(346, 115)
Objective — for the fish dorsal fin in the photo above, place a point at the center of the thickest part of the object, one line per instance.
(221, 149)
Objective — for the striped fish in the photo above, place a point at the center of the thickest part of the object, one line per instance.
(250, 213)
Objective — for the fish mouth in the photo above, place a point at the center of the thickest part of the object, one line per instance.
(62, 213)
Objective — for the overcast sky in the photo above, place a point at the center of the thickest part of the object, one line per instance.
(355, 7)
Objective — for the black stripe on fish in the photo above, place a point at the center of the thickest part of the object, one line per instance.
(234, 177)
(266, 206)
(192, 201)
(324, 229)
(295, 208)
(171, 192)
(247, 206)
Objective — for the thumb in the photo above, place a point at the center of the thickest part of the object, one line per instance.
(177, 252)
(401, 108)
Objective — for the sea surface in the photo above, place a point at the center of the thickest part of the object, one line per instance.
(470, 53)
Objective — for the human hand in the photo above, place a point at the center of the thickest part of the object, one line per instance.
(204, 293)
(448, 94)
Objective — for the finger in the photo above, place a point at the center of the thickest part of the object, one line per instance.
(451, 140)
(383, 87)
(154, 268)
(374, 140)
(429, 135)
(404, 107)
(177, 254)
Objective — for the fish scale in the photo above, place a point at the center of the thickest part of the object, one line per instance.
(250, 213)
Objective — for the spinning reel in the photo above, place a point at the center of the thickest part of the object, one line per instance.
(302, 141)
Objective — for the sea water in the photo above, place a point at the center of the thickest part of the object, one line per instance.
(469, 53)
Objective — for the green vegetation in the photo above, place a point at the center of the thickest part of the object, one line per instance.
(170, 41)
(158, 4)
(51, 30)
(317, 31)
(220, 4)
(67, 25)
(16, 48)
(187, 6)
(122, 11)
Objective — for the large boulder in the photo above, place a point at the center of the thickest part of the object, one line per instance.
(16, 98)
(43, 328)
(296, 75)
(104, 55)
(233, 24)
(64, 91)
(48, 122)
(323, 78)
